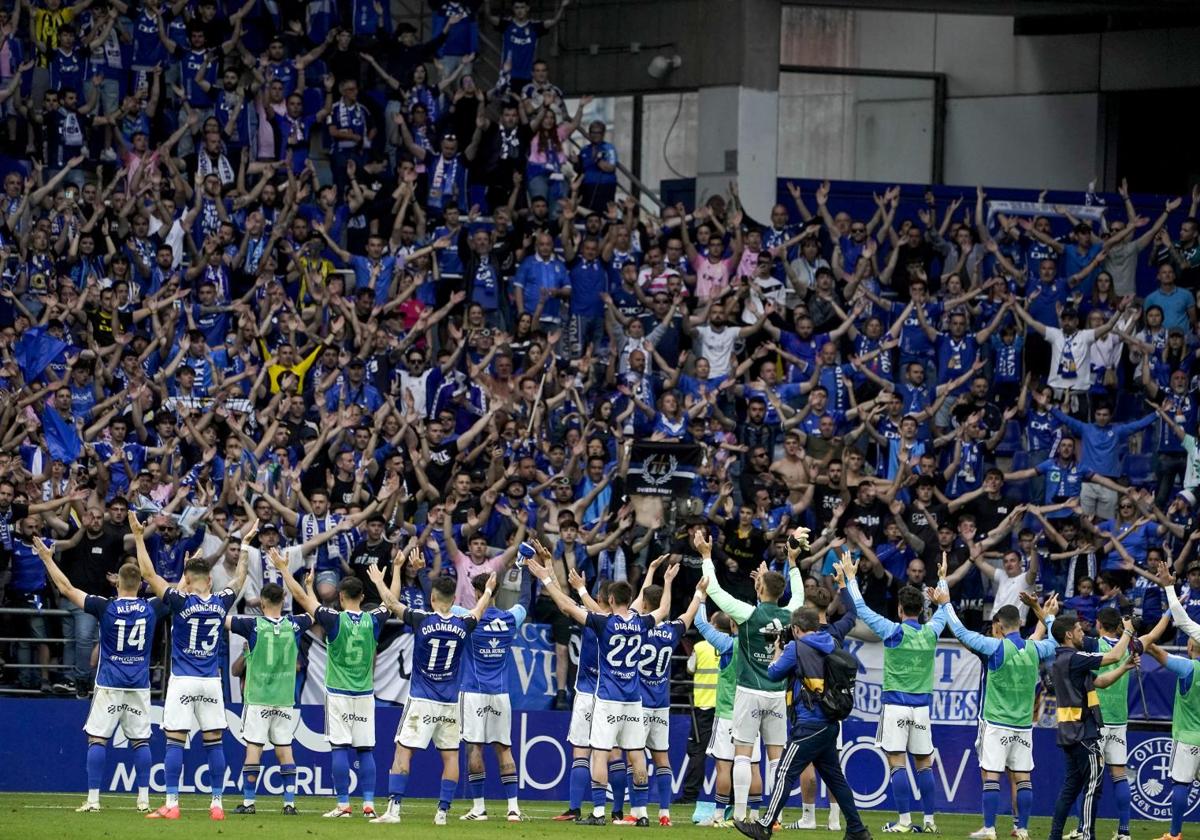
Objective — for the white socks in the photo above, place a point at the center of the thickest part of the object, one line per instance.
(769, 779)
(741, 785)
(480, 805)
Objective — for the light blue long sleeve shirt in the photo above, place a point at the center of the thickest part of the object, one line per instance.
(1101, 443)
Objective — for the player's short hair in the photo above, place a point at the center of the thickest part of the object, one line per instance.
(129, 576)
(721, 622)
(443, 588)
(1008, 616)
(479, 582)
(1062, 625)
(620, 593)
(910, 601)
(196, 567)
(602, 591)
(1109, 619)
(352, 588)
(820, 598)
(652, 597)
(272, 593)
(773, 584)
(806, 619)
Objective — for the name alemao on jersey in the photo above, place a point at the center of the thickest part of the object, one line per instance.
(485, 671)
(126, 633)
(196, 626)
(438, 652)
(654, 666)
(620, 647)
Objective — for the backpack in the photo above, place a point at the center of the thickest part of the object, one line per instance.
(841, 674)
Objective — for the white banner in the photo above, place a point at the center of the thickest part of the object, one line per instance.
(1091, 212)
(956, 676)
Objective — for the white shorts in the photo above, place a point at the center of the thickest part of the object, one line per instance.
(760, 714)
(1185, 763)
(579, 733)
(658, 728)
(904, 729)
(350, 720)
(617, 725)
(720, 745)
(128, 708)
(486, 718)
(424, 721)
(1001, 748)
(1114, 745)
(193, 702)
(274, 725)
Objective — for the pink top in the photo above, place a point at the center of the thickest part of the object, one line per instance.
(538, 155)
(712, 278)
(464, 594)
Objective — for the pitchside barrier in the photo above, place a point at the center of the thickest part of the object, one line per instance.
(45, 751)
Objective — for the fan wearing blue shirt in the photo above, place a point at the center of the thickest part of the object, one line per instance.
(122, 696)
(519, 37)
(441, 645)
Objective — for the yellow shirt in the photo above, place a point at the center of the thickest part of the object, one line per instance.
(708, 668)
(46, 24)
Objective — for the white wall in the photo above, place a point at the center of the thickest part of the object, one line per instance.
(1020, 110)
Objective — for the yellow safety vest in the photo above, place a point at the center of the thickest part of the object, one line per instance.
(708, 668)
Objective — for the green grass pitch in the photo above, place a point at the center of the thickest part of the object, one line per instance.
(53, 816)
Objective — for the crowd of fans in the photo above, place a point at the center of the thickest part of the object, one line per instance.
(286, 266)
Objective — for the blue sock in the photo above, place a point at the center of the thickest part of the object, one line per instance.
(1123, 796)
(925, 784)
(580, 778)
(475, 785)
(618, 780)
(397, 785)
(173, 766)
(901, 791)
(509, 783)
(341, 775)
(288, 774)
(1179, 806)
(720, 805)
(598, 794)
(250, 773)
(366, 774)
(447, 794)
(141, 766)
(216, 767)
(95, 766)
(754, 802)
(1025, 803)
(991, 803)
(640, 794)
(662, 775)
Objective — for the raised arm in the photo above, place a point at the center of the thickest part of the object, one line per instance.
(158, 585)
(739, 611)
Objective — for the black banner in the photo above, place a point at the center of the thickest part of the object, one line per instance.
(663, 468)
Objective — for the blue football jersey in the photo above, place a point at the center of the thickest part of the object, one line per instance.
(654, 667)
(588, 672)
(126, 634)
(620, 648)
(486, 668)
(438, 654)
(196, 626)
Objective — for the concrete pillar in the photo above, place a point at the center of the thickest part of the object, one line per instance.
(738, 122)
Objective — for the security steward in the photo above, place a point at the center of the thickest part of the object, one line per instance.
(1073, 675)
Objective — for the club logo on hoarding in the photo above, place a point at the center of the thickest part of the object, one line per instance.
(1150, 785)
